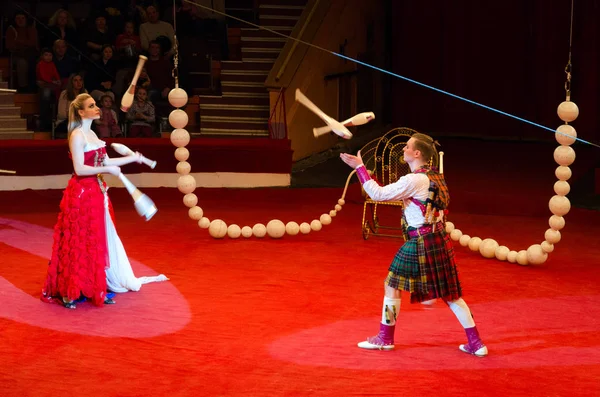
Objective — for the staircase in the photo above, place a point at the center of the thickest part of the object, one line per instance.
(243, 107)
(12, 126)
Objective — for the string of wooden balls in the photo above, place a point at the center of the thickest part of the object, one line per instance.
(559, 204)
(217, 228)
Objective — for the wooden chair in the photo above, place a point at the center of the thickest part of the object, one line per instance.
(384, 159)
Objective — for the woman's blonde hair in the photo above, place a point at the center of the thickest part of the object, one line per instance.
(76, 105)
(54, 17)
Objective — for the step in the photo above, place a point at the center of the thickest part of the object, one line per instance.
(247, 67)
(16, 134)
(260, 53)
(235, 101)
(288, 3)
(276, 23)
(267, 60)
(7, 99)
(252, 32)
(229, 112)
(243, 76)
(232, 132)
(268, 9)
(236, 87)
(226, 123)
(10, 111)
(12, 123)
(263, 42)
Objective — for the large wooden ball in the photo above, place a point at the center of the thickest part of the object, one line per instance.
(190, 200)
(325, 219)
(488, 247)
(563, 173)
(567, 111)
(275, 228)
(456, 234)
(186, 184)
(564, 155)
(474, 243)
(196, 213)
(178, 118)
(559, 205)
(177, 97)
(502, 252)
(259, 230)
(552, 236)
(565, 134)
(562, 188)
(292, 228)
(536, 255)
(234, 231)
(556, 222)
(180, 137)
(182, 154)
(217, 228)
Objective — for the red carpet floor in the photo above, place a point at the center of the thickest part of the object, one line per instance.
(267, 317)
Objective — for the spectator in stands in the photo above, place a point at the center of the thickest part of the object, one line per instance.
(75, 86)
(48, 81)
(62, 27)
(158, 30)
(107, 126)
(134, 11)
(159, 71)
(22, 42)
(102, 75)
(128, 45)
(141, 115)
(99, 37)
(65, 63)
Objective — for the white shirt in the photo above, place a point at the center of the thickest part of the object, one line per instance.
(410, 185)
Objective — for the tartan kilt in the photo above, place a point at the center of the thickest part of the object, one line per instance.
(425, 267)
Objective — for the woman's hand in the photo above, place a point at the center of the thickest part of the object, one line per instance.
(113, 170)
(352, 161)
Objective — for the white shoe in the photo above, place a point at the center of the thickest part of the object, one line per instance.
(481, 352)
(371, 346)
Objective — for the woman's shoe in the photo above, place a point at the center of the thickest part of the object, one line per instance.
(108, 301)
(69, 304)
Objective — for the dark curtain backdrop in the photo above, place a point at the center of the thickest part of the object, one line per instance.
(507, 54)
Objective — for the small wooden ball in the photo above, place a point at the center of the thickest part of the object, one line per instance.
(182, 154)
(233, 231)
(547, 247)
(563, 173)
(190, 200)
(332, 213)
(456, 234)
(449, 227)
(177, 97)
(552, 236)
(512, 256)
(292, 228)
(564, 155)
(259, 230)
(562, 188)
(502, 252)
(204, 223)
(196, 213)
(464, 240)
(341, 201)
(522, 258)
(556, 222)
(474, 243)
(180, 137)
(315, 225)
(247, 231)
(325, 219)
(183, 168)
(304, 228)
(338, 207)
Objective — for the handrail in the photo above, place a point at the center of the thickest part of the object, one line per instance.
(295, 44)
(272, 133)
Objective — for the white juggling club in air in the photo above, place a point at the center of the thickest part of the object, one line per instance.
(335, 125)
(125, 151)
(127, 99)
(357, 119)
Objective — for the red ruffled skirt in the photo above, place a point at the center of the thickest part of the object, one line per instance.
(79, 254)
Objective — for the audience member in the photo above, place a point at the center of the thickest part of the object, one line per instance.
(107, 126)
(62, 26)
(22, 42)
(48, 81)
(141, 115)
(102, 75)
(98, 37)
(158, 30)
(65, 63)
(75, 86)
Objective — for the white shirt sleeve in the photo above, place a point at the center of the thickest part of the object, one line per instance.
(410, 185)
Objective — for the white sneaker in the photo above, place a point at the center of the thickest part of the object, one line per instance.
(371, 346)
(481, 352)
